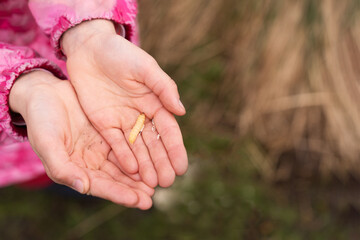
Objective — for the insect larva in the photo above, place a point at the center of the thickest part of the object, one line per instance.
(139, 125)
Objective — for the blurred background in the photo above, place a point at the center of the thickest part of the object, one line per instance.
(272, 90)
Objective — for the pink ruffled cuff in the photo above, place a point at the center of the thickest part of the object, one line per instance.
(56, 17)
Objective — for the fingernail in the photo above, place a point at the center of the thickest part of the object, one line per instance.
(78, 186)
(181, 105)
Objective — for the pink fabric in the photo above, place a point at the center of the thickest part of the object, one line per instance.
(30, 33)
(18, 163)
(57, 16)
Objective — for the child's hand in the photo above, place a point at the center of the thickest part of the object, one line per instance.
(115, 82)
(72, 151)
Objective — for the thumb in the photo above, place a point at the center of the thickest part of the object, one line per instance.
(164, 87)
(61, 170)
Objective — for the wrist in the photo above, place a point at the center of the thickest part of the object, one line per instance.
(24, 88)
(77, 36)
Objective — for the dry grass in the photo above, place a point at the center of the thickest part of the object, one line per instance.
(304, 95)
(291, 76)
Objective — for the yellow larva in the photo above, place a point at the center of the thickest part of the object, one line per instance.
(137, 128)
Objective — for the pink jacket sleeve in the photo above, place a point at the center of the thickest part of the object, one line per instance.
(57, 16)
(14, 61)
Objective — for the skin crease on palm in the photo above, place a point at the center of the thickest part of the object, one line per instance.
(115, 82)
(68, 145)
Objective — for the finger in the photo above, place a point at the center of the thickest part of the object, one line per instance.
(144, 202)
(160, 159)
(112, 158)
(104, 187)
(171, 137)
(61, 170)
(146, 168)
(149, 104)
(164, 87)
(115, 138)
(119, 176)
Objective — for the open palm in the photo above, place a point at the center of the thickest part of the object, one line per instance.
(115, 82)
(72, 151)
